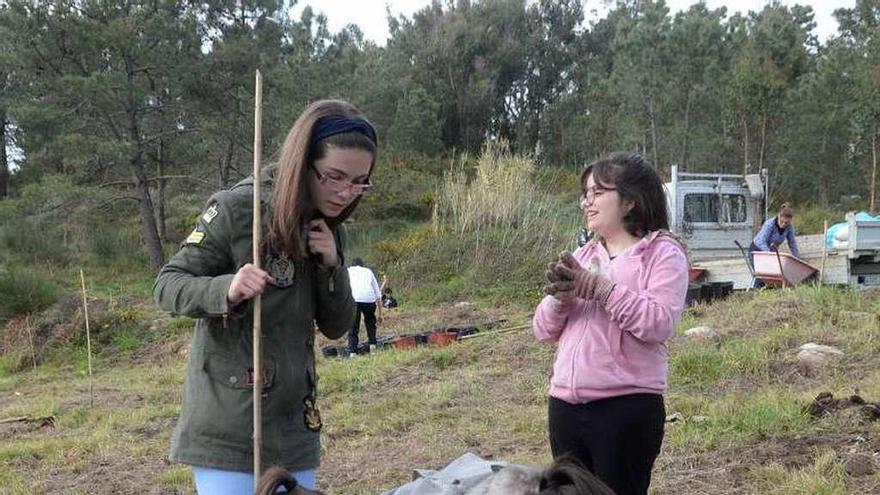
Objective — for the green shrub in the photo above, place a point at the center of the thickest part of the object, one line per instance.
(116, 243)
(403, 189)
(34, 242)
(810, 219)
(24, 290)
(55, 220)
(127, 340)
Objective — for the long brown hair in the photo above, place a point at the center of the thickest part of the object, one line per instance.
(292, 205)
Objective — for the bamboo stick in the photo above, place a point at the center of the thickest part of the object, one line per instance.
(824, 252)
(82, 279)
(257, 338)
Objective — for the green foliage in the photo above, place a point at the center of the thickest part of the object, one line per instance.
(404, 188)
(116, 243)
(810, 219)
(41, 223)
(25, 290)
(416, 124)
(126, 341)
(121, 105)
(181, 324)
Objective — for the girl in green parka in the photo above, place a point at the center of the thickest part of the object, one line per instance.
(323, 169)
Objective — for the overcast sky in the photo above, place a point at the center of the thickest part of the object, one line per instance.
(369, 15)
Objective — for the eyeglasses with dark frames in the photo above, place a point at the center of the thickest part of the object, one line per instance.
(339, 185)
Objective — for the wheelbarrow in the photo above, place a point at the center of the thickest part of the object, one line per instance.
(777, 269)
(751, 268)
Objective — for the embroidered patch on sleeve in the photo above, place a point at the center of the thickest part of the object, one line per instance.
(209, 214)
(195, 238)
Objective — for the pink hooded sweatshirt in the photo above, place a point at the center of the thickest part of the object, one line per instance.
(618, 348)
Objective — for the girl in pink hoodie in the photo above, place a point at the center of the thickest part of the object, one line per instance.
(611, 306)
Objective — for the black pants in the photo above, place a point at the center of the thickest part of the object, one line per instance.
(369, 312)
(616, 438)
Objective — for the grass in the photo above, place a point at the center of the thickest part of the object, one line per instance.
(825, 476)
(738, 419)
(127, 424)
(179, 478)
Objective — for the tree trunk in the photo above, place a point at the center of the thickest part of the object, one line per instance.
(160, 185)
(654, 134)
(148, 219)
(4, 160)
(142, 184)
(563, 154)
(873, 172)
(745, 124)
(226, 164)
(823, 182)
(763, 141)
(687, 125)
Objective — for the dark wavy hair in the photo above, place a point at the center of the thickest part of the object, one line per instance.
(635, 180)
(567, 476)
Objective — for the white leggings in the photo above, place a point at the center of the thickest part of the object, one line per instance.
(218, 482)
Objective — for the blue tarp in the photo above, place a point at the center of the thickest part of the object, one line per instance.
(861, 216)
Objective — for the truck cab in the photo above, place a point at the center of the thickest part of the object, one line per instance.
(712, 211)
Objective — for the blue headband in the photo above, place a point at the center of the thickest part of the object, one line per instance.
(335, 124)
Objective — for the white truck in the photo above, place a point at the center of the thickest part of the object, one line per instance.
(860, 248)
(712, 211)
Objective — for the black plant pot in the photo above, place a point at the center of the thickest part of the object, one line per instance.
(693, 294)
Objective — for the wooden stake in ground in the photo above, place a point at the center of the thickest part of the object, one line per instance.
(824, 252)
(258, 365)
(82, 279)
(27, 324)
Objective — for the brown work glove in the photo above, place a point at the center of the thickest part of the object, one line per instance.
(563, 293)
(572, 277)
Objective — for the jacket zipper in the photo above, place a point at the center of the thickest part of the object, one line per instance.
(580, 341)
(574, 355)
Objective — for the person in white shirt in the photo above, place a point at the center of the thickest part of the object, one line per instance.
(366, 293)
